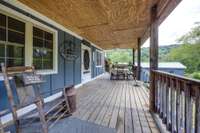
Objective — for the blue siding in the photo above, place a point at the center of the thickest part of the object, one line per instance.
(58, 80)
(4, 104)
(77, 66)
(96, 70)
(69, 72)
(46, 87)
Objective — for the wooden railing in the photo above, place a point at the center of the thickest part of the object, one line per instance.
(177, 101)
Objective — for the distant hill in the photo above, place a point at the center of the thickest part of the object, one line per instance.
(125, 55)
(163, 52)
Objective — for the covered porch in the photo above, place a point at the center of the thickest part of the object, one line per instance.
(102, 25)
(116, 104)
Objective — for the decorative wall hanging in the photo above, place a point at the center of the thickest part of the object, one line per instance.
(67, 50)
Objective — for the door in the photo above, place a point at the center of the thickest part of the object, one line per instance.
(86, 63)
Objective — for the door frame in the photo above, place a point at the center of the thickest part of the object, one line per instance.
(85, 47)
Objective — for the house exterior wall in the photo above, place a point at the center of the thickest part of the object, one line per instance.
(97, 70)
(69, 72)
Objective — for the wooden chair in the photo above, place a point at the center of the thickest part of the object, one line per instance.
(134, 71)
(3, 112)
(28, 94)
(1, 128)
(113, 72)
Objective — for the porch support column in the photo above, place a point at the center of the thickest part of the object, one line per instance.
(133, 55)
(138, 58)
(153, 55)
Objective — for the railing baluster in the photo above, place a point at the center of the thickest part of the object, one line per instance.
(178, 102)
(173, 105)
(156, 93)
(160, 95)
(168, 105)
(193, 102)
(197, 111)
(188, 110)
(178, 106)
(183, 112)
(163, 97)
(164, 100)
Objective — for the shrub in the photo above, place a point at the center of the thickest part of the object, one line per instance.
(196, 75)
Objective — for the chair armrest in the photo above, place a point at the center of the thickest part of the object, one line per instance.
(4, 112)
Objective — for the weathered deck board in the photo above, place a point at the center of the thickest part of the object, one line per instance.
(115, 104)
(73, 125)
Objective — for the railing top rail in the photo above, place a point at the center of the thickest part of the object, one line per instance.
(182, 78)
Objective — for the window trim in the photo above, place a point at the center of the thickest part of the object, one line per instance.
(101, 52)
(29, 24)
(55, 49)
(7, 42)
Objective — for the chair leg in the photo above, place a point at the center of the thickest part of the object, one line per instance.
(42, 116)
(66, 100)
(1, 128)
(10, 97)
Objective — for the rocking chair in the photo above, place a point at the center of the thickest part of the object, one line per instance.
(27, 84)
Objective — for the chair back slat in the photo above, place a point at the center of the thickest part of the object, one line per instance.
(20, 69)
(25, 94)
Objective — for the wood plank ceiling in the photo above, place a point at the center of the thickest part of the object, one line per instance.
(107, 23)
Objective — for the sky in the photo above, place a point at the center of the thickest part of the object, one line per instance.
(178, 23)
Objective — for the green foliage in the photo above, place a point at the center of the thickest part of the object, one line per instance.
(188, 54)
(196, 75)
(145, 54)
(120, 55)
(125, 55)
(163, 52)
(192, 37)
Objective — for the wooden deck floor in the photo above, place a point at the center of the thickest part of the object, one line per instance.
(115, 104)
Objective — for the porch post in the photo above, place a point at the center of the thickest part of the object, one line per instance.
(138, 58)
(153, 55)
(133, 55)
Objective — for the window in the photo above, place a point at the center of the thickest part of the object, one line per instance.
(99, 59)
(12, 41)
(22, 42)
(42, 49)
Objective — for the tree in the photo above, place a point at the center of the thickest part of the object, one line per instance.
(120, 55)
(192, 37)
(189, 52)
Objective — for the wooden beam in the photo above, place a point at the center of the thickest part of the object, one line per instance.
(153, 55)
(138, 58)
(165, 8)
